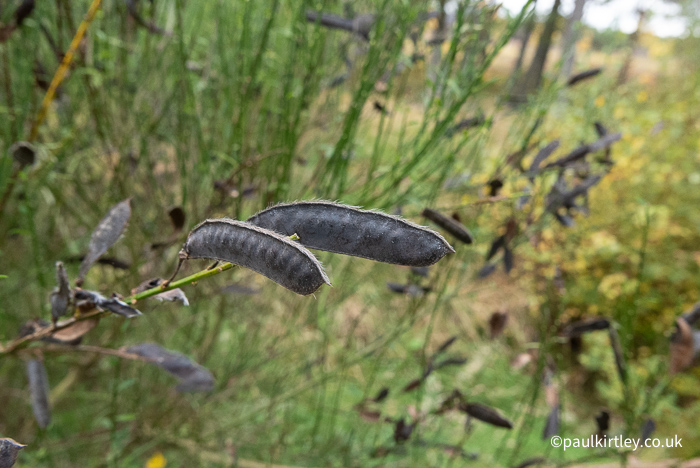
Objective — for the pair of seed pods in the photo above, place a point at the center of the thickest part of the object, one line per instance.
(262, 242)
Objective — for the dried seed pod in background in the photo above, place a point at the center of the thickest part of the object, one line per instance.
(9, 449)
(283, 261)
(508, 261)
(618, 353)
(487, 270)
(496, 245)
(584, 75)
(61, 296)
(604, 142)
(192, 376)
(23, 11)
(39, 391)
(412, 290)
(379, 107)
(348, 230)
(106, 234)
(693, 315)
(551, 427)
(682, 347)
(23, 153)
(486, 414)
(450, 225)
(402, 431)
(648, 429)
(451, 361)
(602, 420)
(531, 462)
(565, 220)
(177, 218)
(495, 186)
(575, 155)
(445, 345)
(497, 323)
(600, 129)
(383, 393)
(421, 271)
(543, 154)
(585, 326)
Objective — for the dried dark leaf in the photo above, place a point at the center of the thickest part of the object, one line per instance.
(283, 261)
(9, 449)
(61, 296)
(402, 431)
(106, 234)
(348, 230)
(495, 186)
(619, 355)
(383, 393)
(370, 415)
(508, 261)
(497, 323)
(486, 414)
(23, 153)
(585, 326)
(23, 11)
(73, 334)
(39, 392)
(412, 385)
(682, 347)
(90, 299)
(177, 217)
(450, 225)
(192, 376)
(551, 427)
(584, 75)
(487, 270)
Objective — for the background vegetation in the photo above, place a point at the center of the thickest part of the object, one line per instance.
(226, 107)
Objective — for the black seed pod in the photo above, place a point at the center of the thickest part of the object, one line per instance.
(348, 230)
(283, 261)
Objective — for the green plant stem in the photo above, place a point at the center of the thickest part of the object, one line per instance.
(176, 284)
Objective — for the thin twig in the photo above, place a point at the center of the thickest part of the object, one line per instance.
(63, 68)
(97, 349)
(23, 341)
(50, 93)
